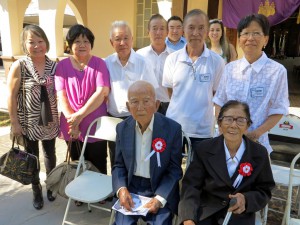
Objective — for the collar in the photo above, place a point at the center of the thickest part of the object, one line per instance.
(150, 126)
(166, 50)
(185, 57)
(257, 65)
(239, 152)
(182, 39)
(130, 60)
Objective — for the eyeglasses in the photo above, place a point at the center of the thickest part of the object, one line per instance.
(228, 120)
(253, 34)
(78, 43)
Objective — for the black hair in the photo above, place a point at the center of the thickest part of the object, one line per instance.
(259, 18)
(77, 30)
(153, 17)
(174, 18)
(233, 103)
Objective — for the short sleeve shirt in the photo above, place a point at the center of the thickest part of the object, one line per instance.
(193, 84)
(262, 84)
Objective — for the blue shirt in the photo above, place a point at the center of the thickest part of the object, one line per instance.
(179, 45)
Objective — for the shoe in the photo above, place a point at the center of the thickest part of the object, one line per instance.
(38, 201)
(78, 203)
(50, 197)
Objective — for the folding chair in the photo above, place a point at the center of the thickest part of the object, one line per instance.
(89, 186)
(294, 180)
(188, 156)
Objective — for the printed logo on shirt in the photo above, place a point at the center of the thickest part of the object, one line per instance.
(257, 92)
(205, 77)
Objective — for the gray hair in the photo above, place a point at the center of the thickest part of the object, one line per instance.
(118, 24)
(195, 12)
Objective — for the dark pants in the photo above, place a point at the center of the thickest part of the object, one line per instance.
(95, 152)
(163, 106)
(48, 151)
(142, 186)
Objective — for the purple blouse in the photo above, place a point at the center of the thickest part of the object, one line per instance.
(79, 87)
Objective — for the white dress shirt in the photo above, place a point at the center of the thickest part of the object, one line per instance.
(157, 62)
(121, 77)
(232, 163)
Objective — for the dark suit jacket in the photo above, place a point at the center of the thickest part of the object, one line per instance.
(206, 184)
(165, 179)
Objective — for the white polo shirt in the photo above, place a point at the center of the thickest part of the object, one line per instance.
(193, 84)
(157, 62)
(262, 85)
(121, 77)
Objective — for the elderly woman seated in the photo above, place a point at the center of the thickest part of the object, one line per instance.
(228, 166)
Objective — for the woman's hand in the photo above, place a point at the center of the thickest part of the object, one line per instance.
(74, 119)
(240, 205)
(188, 222)
(16, 129)
(253, 135)
(74, 132)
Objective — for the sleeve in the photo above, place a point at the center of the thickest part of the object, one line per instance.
(59, 78)
(119, 171)
(167, 74)
(260, 194)
(102, 77)
(220, 98)
(279, 102)
(191, 190)
(168, 183)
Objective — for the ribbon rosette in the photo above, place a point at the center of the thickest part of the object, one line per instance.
(244, 171)
(158, 145)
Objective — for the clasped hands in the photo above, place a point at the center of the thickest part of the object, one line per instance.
(126, 202)
(73, 121)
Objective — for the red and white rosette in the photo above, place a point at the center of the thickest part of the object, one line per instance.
(158, 145)
(244, 171)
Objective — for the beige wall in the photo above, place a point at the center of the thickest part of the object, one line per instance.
(198, 4)
(100, 16)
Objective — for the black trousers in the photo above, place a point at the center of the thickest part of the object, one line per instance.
(163, 107)
(48, 147)
(95, 152)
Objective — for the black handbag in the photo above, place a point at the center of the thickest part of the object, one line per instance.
(19, 165)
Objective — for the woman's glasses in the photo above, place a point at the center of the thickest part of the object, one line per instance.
(228, 120)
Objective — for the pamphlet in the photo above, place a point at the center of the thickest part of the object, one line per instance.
(138, 209)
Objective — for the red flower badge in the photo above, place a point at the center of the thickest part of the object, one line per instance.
(245, 169)
(159, 145)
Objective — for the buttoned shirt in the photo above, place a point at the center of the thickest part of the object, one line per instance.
(157, 63)
(262, 85)
(232, 163)
(179, 45)
(193, 84)
(121, 77)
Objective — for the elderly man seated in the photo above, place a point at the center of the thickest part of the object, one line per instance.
(136, 170)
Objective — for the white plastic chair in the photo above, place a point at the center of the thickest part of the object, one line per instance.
(294, 180)
(89, 186)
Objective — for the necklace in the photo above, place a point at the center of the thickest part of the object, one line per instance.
(81, 65)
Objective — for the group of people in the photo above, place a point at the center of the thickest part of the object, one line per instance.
(165, 88)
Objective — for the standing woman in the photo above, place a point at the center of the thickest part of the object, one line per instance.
(82, 84)
(218, 43)
(34, 115)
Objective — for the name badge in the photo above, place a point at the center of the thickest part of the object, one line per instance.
(257, 92)
(205, 77)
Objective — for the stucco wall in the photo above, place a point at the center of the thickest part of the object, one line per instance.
(100, 15)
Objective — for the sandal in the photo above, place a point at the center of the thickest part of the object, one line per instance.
(78, 203)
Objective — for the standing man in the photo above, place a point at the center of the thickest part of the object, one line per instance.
(156, 177)
(192, 76)
(125, 67)
(156, 53)
(175, 40)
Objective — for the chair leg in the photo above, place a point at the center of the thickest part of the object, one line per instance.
(112, 217)
(67, 211)
(89, 207)
(265, 215)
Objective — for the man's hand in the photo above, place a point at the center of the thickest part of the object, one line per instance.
(125, 199)
(188, 222)
(154, 205)
(240, 205)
